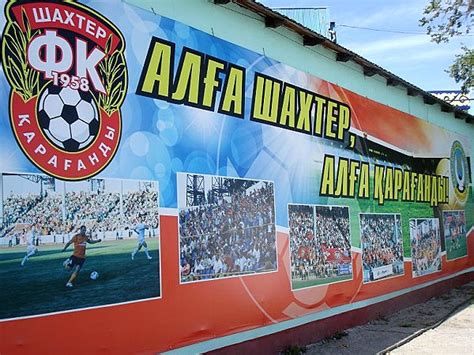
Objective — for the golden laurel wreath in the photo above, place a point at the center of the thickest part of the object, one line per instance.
(113, 71)
(25, 80)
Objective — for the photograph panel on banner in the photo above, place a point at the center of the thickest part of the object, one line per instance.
(454, 224)
(382, 246)
(226, 227)
(425, 246)
(74, 245)
(320, 245)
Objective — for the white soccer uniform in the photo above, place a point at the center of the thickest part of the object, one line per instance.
(140, 229)
(30, 242)
(30, 246)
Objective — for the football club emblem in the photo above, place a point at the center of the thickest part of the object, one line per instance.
(66, 67)
(459, 171)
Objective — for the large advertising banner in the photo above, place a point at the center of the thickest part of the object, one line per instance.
(140, 157)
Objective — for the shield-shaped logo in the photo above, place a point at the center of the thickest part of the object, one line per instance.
(66, 67)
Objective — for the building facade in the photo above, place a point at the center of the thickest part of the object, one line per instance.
(243, 183)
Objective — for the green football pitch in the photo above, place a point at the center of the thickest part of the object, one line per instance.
(296, 284)
(458, 251)
(39, 286)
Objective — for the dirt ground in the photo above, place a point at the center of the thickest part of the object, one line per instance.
(454, 336)
(442, 325)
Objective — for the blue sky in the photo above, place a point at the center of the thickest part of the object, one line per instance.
(413, 57)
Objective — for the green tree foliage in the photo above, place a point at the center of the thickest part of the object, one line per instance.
(445, 19)
(462, 68)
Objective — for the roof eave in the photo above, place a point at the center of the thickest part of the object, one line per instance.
(275, 19)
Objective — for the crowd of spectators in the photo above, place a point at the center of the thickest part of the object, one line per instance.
(143, 202)
(46, 214)
(332, 227)
(306, 255)
(381, 241)
(84, 205)
(148, 205)
(231, 236)
(15, 206)
(43, 210)
(312, 237)
(99, 211)
(426, 248)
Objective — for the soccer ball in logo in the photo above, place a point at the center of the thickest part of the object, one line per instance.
(94, 275)
(69, 118)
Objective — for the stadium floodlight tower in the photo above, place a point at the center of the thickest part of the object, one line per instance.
(195, 194)
(219, 189)
(234, 185)
(45, 182)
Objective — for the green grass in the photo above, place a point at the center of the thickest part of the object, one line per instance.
(296, 284)
(39, 286)
(456, 253)
(469, 211)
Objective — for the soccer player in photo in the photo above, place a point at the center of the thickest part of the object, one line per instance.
(140, 231)
(31, 249)
(78, 257)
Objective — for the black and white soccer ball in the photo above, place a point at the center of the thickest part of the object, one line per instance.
(67, 264)
(69, 118)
